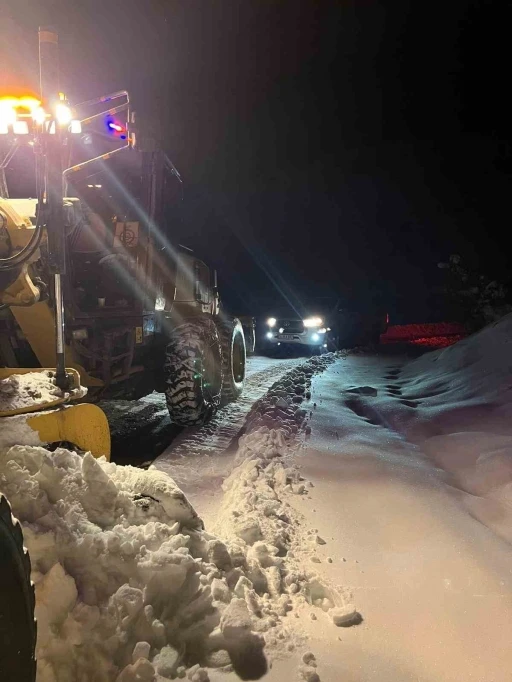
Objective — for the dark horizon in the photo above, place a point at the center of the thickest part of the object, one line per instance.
(325, 147)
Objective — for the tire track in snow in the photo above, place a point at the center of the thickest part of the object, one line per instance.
(188, 455)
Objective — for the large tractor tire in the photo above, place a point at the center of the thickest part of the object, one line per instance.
(233, 358)
(193, 372)
(17, 602)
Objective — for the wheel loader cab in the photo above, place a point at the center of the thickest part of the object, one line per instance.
(129, 287)
(195, 288)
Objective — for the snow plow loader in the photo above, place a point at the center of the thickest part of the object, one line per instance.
(89, 271)
(94, 297)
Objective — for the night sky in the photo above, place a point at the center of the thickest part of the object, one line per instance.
(327, 148)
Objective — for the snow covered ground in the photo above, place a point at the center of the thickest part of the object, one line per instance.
(411, 464)
(360, 531)
(425, 561)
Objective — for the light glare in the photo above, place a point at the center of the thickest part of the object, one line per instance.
(63, 114)
(271, 321)
(313, 322)
(75, 128)
(39, 116)
(7, 113)
(20, 128)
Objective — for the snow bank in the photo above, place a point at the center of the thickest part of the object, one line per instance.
(129, 586)
(278, 549)
(478, 367)
(122, 568)
(462, 419)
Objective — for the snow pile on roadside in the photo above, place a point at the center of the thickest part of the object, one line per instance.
(127, 582)
(278, 550)
(478, 368)
(464, 420)
(26, 390)
(281, 406)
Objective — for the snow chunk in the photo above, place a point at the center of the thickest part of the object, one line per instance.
(56, 595)
(345, 616)
(236, 620)
(141, 650)
(220, 591)
(248, 529)
(141, 671)
(309, 658)
(218, 554)
(309, 674)
(166, 661)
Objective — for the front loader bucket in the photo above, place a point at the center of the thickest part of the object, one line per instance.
(83, 425)
(56, 419)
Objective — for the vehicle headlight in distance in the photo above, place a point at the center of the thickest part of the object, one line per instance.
(271, 321)
(313, 322)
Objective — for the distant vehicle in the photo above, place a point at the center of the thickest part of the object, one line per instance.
(338, 326)
(309, 332)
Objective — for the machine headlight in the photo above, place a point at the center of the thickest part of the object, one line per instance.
(315, 337)
(271, 321)
(270, 335)
(313, 322)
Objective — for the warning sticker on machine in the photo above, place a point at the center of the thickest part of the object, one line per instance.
(127, 234)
